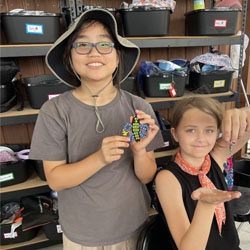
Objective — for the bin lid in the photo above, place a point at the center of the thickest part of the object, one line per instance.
(215, 9)
(22, 12)
(145, 8)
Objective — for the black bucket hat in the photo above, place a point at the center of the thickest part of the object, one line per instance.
(54, 57)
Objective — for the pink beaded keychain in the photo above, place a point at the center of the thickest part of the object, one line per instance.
(228, 167)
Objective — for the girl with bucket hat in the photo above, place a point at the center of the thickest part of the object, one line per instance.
(98, 173)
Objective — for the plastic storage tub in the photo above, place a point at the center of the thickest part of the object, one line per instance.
(13, 172)
(42, 88)
(145, 21)
(29, 27)
(53, 231)
(129, 84)
(217, 81)
(19, 235)
(159, 85)
(220, 21)
(242, 173)
(169, 142)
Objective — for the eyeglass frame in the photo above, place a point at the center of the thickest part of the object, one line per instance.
(91, 47)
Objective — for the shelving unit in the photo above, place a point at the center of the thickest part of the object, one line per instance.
(34, 185)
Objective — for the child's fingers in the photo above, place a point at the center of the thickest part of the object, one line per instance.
(214, 196)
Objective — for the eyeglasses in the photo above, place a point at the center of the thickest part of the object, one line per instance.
(84, 48)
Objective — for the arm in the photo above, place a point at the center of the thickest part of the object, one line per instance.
(235, 130)
(188, 235)
(144, 162)
(61, 175)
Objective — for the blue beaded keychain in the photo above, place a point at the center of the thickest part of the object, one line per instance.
(135, 131)
(228, 167)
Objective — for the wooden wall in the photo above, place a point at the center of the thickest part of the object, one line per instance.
(32, 66)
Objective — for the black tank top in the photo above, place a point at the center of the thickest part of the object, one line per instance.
(229, 238)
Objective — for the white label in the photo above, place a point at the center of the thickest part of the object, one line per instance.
(59, 229)
(166, 143)
(6, 177)
(50, 96)
(219, 83)
(165, 86)
(10, 235)
(220, 23)
(34, 28)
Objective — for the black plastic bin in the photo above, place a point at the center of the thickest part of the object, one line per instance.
(145, 21)
(208, 82)
(242, 173)
(220, 21)
(31, 27)
(19, 235)
(42, 88)
(53, 231)
(159, 85)
(13, 172)
(6, 92)
(38, 165)
(169, 142)
(129, 84)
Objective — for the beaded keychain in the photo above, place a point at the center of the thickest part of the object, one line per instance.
(135, 130)
(228, 167)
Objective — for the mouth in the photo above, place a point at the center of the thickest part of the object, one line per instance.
(95, 64)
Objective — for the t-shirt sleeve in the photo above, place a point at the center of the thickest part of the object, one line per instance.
(49, 136)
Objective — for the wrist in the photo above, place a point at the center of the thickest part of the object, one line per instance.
(139, 153)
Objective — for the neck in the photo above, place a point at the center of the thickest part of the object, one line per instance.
(95, 89)
(195, 162)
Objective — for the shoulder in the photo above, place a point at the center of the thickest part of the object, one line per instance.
(136, 101)
(56, 104)
(166, 176)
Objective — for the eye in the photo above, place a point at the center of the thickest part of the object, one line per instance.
(83, 44)
(209, 131)
(191, 130)
(105, 44)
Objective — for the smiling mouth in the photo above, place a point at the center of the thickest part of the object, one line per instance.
(95, 64)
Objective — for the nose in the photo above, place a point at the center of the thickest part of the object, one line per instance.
(94, 51)
(200, 136)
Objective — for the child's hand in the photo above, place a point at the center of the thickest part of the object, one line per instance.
(144, 119)
(235, 123)
(111, 149)
(214, 196)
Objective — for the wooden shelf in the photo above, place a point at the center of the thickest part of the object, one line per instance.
(29, 115)
(33, 185)
(165, 153)
(24, 50)
(40, 240)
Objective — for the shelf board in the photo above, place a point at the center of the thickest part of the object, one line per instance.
(29, 115)
(183, 41)
(33, 185)
(13, 116)
(40, 240)
(24, 50)
(168, 102)
(165, 153)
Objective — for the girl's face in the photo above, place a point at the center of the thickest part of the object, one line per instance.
(196, 134)
(95, 66)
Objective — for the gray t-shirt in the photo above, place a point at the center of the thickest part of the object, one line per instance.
(111, 205)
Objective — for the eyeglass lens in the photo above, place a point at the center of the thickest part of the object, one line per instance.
(102, 47)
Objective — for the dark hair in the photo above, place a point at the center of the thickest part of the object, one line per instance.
(208, 105)
(67, 51)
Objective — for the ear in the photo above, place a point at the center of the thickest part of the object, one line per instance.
(173, 132)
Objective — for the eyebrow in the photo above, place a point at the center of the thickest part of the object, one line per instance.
(194, 126)
(101, 36)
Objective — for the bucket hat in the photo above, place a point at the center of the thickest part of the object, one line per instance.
(54, 57)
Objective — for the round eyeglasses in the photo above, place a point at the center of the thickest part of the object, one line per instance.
(84, 48)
